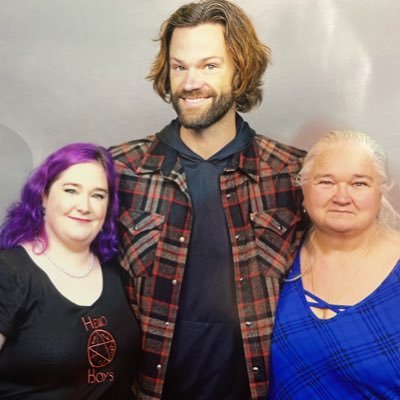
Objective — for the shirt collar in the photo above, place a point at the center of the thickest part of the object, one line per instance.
(162, 157)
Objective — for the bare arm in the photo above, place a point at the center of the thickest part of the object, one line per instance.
(2, 340)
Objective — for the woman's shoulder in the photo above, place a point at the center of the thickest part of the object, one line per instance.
(11, 258)
(111, 264)
(16, 274)
(112, 267)
(390, 240)
(388, 249)
(16, 266)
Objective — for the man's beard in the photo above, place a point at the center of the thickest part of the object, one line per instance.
(197, 121)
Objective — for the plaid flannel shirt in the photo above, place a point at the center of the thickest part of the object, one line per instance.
(263, 214)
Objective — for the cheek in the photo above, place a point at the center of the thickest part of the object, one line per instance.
(315, 201)
(228, 83)
(56, 208)
(175, 82)
(101, 211)
(373, 203)
(308, 197)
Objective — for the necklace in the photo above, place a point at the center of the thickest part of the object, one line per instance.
(72, 275)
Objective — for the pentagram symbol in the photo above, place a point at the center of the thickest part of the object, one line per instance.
(101, 348)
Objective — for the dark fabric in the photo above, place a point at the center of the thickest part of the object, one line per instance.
(207, 359)
(353, 355)
(57, 350)
(263, 214)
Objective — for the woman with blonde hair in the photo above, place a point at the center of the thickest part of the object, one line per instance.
(337, 329)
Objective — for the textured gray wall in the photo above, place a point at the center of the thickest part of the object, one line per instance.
(74, 70)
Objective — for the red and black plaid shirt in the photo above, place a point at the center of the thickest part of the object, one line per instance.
(263, 214)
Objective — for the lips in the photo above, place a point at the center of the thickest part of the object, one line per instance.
(195, 95)
(194, 100)
(84, 220)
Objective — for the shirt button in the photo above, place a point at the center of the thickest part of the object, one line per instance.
(159, 366)
(237, 237)
(255, 369)
(241, 280)
(166, 323)
(228, 196)
(174, 281)
(136, 228)
(248, 323)
(181, 239)
(280, 227)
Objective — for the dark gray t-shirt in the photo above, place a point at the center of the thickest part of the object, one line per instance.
(207, 357)
(58, 350)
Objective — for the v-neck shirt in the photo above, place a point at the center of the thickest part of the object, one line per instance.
(353, 355)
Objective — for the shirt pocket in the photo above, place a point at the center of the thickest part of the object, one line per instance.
(276, 239)
(140, 234)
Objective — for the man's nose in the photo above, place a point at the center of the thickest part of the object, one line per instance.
(193, 80)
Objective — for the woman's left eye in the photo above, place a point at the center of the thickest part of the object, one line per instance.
(71, 191)
(99, 196)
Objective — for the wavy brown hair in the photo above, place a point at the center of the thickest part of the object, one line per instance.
(250, 56)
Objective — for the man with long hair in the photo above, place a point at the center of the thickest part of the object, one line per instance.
(210, 220)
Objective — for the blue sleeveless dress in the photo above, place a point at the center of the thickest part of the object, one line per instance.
(354, 355)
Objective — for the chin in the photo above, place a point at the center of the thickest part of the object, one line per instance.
(82, 240)
(343, 229)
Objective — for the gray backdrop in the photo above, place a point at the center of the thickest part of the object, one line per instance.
(74, 70)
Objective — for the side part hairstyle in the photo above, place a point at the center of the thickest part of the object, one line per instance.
(250, 56)
(388, 216)
(24, 221)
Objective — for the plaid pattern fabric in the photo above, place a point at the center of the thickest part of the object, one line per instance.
(354, 355)
(265, 226)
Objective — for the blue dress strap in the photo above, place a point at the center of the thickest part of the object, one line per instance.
(319, 303)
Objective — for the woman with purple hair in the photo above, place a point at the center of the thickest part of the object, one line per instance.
(66, 327)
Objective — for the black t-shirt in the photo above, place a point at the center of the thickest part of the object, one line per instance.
(58, 350)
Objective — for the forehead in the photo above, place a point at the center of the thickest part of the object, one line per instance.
(88, 173)
(344, 159)
(201, 41)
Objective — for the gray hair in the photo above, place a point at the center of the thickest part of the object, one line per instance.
(388, 216)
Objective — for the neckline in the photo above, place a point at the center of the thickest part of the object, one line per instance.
(57, 291)
(318, 302)
(348, 308)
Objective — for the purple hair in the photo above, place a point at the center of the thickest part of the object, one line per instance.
(24, 221)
